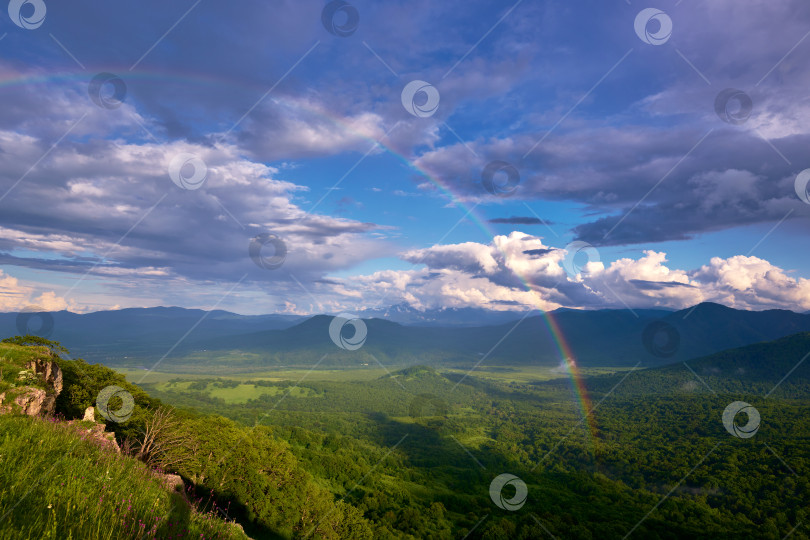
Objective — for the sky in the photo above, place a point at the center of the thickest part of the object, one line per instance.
(310, 156)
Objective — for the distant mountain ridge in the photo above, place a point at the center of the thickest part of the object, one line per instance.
(610, 337)
(134, 331)
(407, 315)
(596, 338)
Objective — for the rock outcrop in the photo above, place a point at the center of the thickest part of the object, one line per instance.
(90, 414)
(34, 393)
(40, 384)
(30, 401)
(105, 438)
(49, 373)
(172, 482)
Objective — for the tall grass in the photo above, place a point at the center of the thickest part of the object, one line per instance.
(58, 483)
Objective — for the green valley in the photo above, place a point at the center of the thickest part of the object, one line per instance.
(414, 452)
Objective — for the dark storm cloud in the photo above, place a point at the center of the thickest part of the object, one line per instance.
(538, 252)
(514, 220)
(666, 166)
(646, 285)
(651, 185)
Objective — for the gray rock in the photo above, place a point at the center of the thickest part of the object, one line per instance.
(32, 401)
(51, 375)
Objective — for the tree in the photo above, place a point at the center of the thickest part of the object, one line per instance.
(161, 435)
(54, 346)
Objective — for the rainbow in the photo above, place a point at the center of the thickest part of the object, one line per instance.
(567, 357)
(576, 378)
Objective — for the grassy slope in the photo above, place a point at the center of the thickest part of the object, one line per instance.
(55, 484)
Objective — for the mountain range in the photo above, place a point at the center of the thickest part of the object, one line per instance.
(615, 337)
(110, 335)
(592, 338)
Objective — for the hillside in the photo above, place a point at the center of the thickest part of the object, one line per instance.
(56, 484)
(68, 479)
(779, 368)
(57, 461)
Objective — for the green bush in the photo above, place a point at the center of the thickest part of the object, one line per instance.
(262, 480)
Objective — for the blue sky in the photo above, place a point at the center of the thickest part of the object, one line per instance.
(619, 133)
